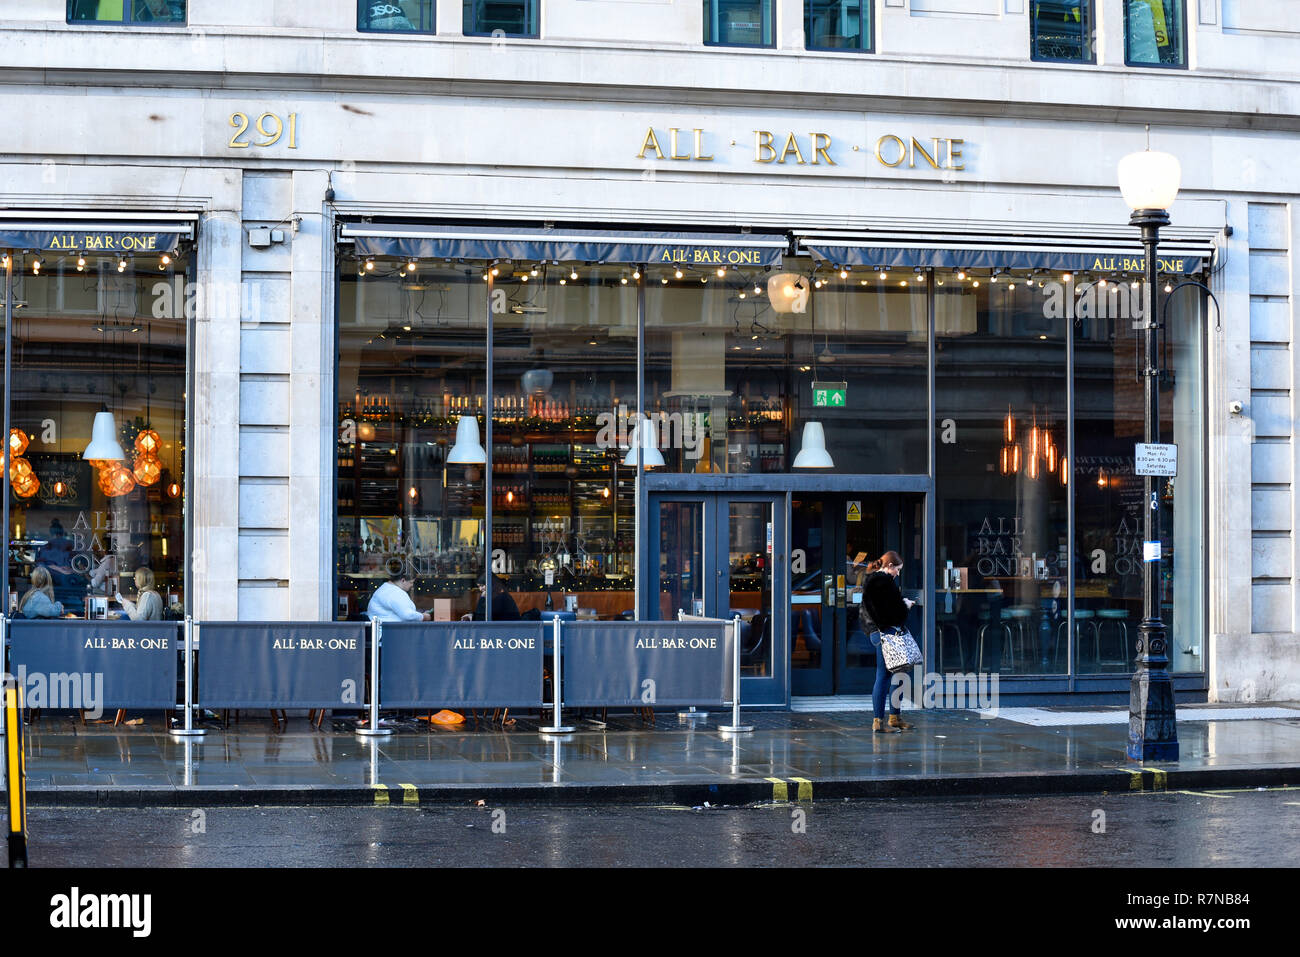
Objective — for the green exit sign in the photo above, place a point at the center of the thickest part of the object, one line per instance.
(830, 395)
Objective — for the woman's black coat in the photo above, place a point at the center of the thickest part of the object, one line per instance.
(885, 601)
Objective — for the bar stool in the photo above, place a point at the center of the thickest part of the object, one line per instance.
(1082, 617)
(1020, 622)
(1008, 661)
(945, 625)
(1117, 618)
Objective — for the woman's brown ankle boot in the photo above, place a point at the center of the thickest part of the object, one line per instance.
(879, 727)
(896, 721)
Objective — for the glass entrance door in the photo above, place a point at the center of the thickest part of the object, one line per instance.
(832, 537)
(723, 556)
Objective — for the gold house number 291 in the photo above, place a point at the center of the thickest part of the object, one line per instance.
(273, 130)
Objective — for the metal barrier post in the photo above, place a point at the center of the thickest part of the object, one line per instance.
(188, 730)
(374, 730)
(555, 726)
(735, 725)
(690, 714)
(15, 773)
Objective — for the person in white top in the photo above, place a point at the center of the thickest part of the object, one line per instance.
(392, 601)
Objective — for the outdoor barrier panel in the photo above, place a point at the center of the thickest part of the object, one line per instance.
(281, 665)
(468, 665)
(645, 663)
(103, 664)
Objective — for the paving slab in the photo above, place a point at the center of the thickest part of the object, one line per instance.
(789, 756)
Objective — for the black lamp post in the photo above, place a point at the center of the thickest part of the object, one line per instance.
(1149, 182)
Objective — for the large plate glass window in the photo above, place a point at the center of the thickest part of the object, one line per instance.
(412, 406)
(1001, 471)
(126, 11)
(395, 16)
(99, 368)
(1155, 33)
(738, 23)
(563, 501)
(838, 25)
(509, 18)
(1109, 422)
(732, 356)
(1062, 30)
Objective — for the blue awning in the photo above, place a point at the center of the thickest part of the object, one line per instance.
(566, 245)
(74, 237)
(1180, 253)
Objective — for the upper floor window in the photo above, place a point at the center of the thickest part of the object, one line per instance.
(1062, 30)
(501, 18)
(1155, 33)
(738, 23)
(837, 25)
(126, 11)
(395, 16)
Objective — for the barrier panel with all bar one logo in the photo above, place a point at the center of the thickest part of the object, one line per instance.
(283, 665)
(131, 663)
(646, 663)
(468, 665)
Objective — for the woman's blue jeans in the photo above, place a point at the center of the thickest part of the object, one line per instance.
(880, 691)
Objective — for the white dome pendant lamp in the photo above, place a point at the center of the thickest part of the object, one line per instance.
(104, 446)
(651, 457)
(467, 450)
(813, 455)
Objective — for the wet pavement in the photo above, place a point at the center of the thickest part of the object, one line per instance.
(1128, 829)
(794, 755)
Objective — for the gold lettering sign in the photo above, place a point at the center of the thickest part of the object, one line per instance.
(103, 242)
(1138, 264)
(892, 150)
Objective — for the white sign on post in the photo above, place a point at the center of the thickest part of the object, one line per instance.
(1155, 459)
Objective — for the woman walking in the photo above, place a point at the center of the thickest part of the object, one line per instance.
(888, 609)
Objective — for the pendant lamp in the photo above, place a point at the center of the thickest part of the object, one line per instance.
(467, 450)
(651, 457)
(813, 455)
(104, 446)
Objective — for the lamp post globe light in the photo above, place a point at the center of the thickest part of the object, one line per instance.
(1149, 183)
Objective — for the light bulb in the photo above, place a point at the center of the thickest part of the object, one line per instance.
(533, 272)
(564, 282)
(573, 274)
(976, 284)
(677, 273)
(370, 265)
(844, 274)
(883, 274)
(623, 280)
(961, 276)
(1067, 277)
(121, 265)
(722, 271)
(410, 266)
(166, 259)
(636, 274)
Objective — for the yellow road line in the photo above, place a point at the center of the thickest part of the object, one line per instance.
(1160, 778)
(409, 794)
(1135, 779)
(805, 788)
(780, 790)
(381, 793)
(1204, 794)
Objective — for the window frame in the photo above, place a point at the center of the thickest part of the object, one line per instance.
(124, 22)
(1160, 66)
(769, 7)
(1091, 6)
(866, 8)
(433, 19)
(536, 6)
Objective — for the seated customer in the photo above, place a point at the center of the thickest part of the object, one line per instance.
(503, 605)
(392, 601)
(148, 604)
(38, 601)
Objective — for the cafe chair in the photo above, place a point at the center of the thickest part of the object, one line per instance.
(1021, 622)
(811, 640)
(757, 634)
